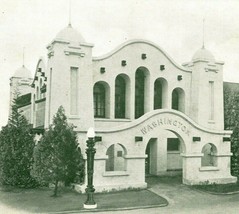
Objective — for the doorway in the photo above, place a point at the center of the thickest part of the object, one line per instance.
(151, 160)
(164, 155)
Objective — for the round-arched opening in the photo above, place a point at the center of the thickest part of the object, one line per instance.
(209, 157)
(178, 99)
(122, 96)
(164, 155)
(141, 91)
(160, 93)
(101, 94)
(116, 158)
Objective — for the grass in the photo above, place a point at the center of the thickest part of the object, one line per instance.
(39, 200)
(177, 180)
(218, 188)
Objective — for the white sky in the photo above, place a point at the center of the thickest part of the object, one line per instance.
(175, 25)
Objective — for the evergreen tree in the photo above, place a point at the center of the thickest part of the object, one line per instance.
(16, 151)
(57, 156)
(231, 122)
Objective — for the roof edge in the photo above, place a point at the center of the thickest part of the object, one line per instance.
(120, 47)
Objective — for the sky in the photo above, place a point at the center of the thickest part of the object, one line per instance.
(175, 25)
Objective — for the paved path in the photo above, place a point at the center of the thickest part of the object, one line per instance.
(183, 200)
(8, 210)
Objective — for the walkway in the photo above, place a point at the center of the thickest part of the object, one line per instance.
(183, 199)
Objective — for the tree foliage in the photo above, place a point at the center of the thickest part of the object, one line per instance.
(231, 121)
(16, 151)
(57, 155)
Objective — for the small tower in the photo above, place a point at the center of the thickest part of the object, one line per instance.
(69, 75)
(207, 90)
(20, 84)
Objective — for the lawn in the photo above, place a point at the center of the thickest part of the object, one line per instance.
(39, 200)
(218, 188)
(177, 180)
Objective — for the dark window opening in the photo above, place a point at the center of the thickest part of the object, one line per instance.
(119, 154)
(99, 100)
(120, 97)
(175, 100)
(110, 161)
(173, 144)
(139, 93)
(158, 94)
(147, 160)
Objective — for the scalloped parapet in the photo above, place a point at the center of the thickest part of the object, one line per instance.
(130, 42)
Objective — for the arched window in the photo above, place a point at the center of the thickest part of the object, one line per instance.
(158, 92)
(175, 100)
(139, 93)
(99, 100)
(178, 99)
(209, 155)
(120, 88)
(116, 160)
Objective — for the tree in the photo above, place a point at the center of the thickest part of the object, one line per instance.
(231, 122)
(16, 151)
(57, 156)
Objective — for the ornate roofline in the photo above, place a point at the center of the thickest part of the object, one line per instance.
(41, 59)
(120, 47)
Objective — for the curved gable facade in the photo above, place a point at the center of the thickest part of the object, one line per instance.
(151, 115)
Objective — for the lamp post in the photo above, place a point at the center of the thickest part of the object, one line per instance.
(90, 152)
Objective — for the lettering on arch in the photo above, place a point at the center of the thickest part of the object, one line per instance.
(160, 122)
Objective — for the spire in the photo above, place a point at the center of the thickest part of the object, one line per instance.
(69, 24)
(203, 46)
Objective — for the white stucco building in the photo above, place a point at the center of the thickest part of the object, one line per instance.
(151, 115)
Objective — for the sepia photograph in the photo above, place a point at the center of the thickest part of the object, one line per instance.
(119, 106)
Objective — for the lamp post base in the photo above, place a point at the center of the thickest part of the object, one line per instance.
(90, 206)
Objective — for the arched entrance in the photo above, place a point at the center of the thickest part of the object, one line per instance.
(173, 143)
(164, 154)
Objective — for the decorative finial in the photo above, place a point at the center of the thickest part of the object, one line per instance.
(69, 24)
(203, 34)
(23, 59)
